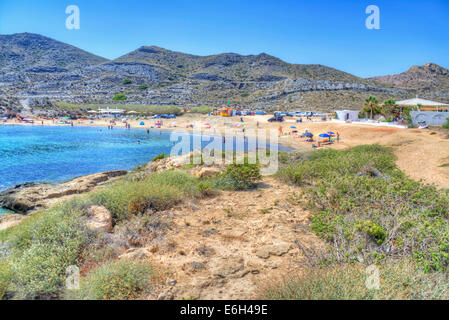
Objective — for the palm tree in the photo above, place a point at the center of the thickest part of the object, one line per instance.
(372, 104)
(390, 108)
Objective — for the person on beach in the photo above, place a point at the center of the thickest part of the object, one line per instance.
(148, 131)
(338, 137)
(280, 130)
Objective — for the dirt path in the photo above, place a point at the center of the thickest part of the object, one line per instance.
(229, 246)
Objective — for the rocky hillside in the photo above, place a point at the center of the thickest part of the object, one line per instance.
(27, 52)
(233, 67)
(41, 69)
(429, 78)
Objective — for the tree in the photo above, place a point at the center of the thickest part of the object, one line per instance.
(127, 81)
(391, 109)
(119, 97)
(371, 105)
(143, 87)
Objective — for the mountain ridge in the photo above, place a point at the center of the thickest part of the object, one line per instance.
(35, 66)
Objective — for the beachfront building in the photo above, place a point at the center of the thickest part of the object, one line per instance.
(428, 113)
(111, 112)
(347, 115)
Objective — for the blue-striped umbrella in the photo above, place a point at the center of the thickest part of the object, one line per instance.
(324, 135)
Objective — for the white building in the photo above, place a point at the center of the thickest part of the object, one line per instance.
(347, 115)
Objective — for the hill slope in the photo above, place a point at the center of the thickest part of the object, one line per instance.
(35, 53)
(233, 67)
(428, 77)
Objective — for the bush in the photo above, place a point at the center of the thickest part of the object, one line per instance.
(201, 110)
(41, 251)
(6, 276)
(143, 87)
(119, 97)
(116, 280)
(127, 81)
(239, 177)
(159, 157)
(348, 282)
(158, 191)
(369, 210)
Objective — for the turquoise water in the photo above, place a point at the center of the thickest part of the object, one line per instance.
(57, 154)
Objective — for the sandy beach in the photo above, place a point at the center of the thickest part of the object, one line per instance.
(422, 154)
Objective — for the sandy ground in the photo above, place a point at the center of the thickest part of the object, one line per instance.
(422, 154)
(234, 245)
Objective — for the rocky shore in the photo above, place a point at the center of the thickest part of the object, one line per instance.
(28, 197)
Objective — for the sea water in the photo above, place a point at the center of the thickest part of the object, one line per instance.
(57, 154)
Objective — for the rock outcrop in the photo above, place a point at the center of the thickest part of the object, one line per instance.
(99, 219)
(10, 220)
(27, 197)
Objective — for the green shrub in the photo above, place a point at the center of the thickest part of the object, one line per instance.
(374, 230)
(201, 110)
(239, 177)
(6, 276)
(368, 209)
(116, 280)
(143, 87)
(119, 97)
(158, 191)
(41, 252)
(127, 81)
(398, 281)
(159, 157)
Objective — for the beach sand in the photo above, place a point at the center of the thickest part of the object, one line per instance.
(422, 154)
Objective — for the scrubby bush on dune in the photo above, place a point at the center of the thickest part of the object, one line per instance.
(402, 281)
(239, 177)
(369, 210)
(41, 249)
(116, 280)
(156, 192)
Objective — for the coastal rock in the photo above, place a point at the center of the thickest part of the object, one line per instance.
(168, 163)
(30, 196)
(228, 266)
(206, 172)
(10, 220)
(136, 254)
(99, 219)
(276, 250)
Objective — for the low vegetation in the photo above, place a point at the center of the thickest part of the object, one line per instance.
(36, 253)
(201, 110)
(239, 177)
(404, 281)
(369, 212)
(140, 108)
(119, 97)
(116, 280)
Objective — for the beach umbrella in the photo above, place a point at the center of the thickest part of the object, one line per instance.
(142, 123)
(293, 127)
(308, 135)
(324, 135)
(330, 132)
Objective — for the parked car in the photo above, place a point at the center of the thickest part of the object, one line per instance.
(277, 118)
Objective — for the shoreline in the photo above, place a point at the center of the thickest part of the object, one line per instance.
(4, 211)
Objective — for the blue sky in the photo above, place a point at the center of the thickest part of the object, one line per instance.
(328, 32)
